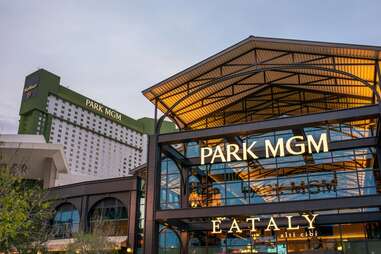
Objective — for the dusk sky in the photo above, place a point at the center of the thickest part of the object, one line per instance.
(111, 50)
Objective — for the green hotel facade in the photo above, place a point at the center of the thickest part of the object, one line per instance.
(98, 141)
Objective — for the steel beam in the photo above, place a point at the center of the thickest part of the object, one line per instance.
(271, 208)
(151, 228)
(278, 124)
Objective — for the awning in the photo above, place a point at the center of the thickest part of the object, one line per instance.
(210, 93)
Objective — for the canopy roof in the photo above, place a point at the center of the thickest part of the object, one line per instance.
(252, 79)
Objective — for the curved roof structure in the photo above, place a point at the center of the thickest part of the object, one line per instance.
(262, 78)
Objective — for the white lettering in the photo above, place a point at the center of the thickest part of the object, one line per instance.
(204, 154)
(322, 141)
(279, 146)
(232, 152)
(247, 150)
(218, 154)
(302, 148)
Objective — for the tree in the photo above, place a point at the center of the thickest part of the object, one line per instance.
(24, 213)
(85, 243)
(95, 242)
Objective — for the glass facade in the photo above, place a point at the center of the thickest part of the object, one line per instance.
(334, 174)
(342, 171)
(109, 217)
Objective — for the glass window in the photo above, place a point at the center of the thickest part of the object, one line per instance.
(169, 242)
(170, 185)
(66, 221)
(109, 217)
(341, 173)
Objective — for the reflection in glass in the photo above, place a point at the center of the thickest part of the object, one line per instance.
(343, 173)
(66, 221)
(109, 217)
(169, 242)
(170, 185)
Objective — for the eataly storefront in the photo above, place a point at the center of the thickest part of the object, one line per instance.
(278, 151)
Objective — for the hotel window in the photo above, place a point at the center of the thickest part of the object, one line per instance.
(66, 221)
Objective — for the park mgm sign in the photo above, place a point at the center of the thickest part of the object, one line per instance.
(103, 109)
(295, 145)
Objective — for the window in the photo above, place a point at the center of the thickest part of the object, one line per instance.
(109, 217)
(170, 185)
(333, 174)
(66, 221)
(169, 242)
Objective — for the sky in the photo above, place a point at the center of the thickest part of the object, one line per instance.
(111, 50)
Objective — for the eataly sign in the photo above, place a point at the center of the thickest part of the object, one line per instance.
(271, 225)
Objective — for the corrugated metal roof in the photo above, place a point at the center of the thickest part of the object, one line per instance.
(231, 75)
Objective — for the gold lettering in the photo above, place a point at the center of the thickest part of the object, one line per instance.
(235, 226)
(30, 88)
(272, 223)
(310, 221)
(290, 227)
(216, 227)
(253, 220)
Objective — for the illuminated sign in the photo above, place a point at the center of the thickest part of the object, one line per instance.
(103, 109)
(272, 225)
(296, 145)
(29, 91)
(29, 88)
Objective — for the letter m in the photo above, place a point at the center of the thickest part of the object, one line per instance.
(322, 142)
(274, 151)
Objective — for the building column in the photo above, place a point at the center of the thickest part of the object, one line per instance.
(132, 222)
(184, 242)
(83, 223)
(151, 227)
(184, 190)
(49, 174)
